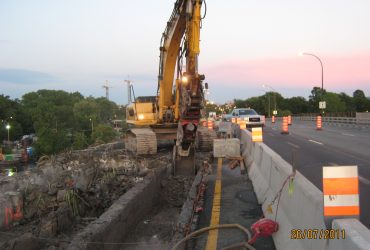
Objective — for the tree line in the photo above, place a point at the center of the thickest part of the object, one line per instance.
(59, 119)
(265, 104)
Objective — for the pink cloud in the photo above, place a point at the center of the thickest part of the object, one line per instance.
(350, 71)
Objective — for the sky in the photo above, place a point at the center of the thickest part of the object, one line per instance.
(77, 45)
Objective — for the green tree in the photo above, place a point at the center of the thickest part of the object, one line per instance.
(314, 99)
(51, 112)
(333, 102)
(86, 112)
(107, 109)
(51, 141)
(11, 113)
(80, 141)
(360, 101)
(297, 105)
(348, 101)
(103, 133)
(257, 103)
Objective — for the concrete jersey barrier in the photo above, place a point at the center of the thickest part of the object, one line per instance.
(299, 212)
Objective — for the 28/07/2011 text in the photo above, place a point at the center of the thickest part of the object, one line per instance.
(331, 234)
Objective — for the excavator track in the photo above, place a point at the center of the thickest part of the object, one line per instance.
(141, 141)
(204, 139)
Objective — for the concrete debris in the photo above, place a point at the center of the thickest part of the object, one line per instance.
(175, 189)
(65, 192)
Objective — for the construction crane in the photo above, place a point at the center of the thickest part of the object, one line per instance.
(106, 87)
(175, 111)
(129, 86)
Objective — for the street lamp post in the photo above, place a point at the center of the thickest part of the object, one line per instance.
(8, 128)
(322, 67)
(269, 106)
(266, 85)
(92, 125)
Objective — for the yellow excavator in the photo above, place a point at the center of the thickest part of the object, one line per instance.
(174, 113)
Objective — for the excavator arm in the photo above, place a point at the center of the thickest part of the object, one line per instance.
(182, 28)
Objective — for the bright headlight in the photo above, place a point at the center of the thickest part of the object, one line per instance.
(141, 117)
(184, 79)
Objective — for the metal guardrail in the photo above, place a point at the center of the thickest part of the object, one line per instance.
(339, 120)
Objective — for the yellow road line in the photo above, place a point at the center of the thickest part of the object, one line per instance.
(216, 209)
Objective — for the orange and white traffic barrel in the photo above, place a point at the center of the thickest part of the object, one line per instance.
(318, 122)
(289, 120)
(341, 192)
(210, 124)
(257, 134)
(242, 124)
(273, 119)
(284, 126)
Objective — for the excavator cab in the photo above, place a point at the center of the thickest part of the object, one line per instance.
(142, 112)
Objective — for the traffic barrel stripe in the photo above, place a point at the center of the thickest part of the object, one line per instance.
(335, 186)
(341, 200)
(257, 134)
(342, 211)
(340, 172)
(210, 124)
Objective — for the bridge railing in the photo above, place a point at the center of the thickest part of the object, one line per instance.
(338, 120)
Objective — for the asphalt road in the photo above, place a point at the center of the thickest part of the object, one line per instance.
(309, 150)
(237, 204)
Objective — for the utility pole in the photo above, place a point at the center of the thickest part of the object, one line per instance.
(106, 87)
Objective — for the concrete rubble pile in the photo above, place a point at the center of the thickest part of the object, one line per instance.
(66, 192)
(175, 189)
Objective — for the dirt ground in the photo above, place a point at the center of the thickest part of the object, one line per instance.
(44, 207)
(157, 229)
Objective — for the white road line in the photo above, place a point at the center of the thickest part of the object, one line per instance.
(348, 134)
(316, 142)
(293, 145)
(273, 128)
(364, 180)
(332, 164)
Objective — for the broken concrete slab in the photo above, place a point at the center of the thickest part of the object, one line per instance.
(226, 147)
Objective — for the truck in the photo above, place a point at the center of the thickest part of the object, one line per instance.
(249, 115)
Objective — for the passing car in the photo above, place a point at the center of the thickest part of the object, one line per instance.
(250, 116)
